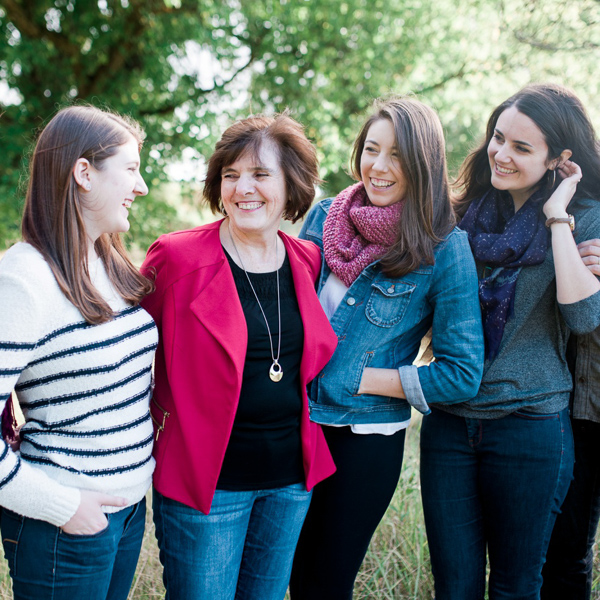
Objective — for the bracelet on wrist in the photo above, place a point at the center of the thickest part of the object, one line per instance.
(569, 219)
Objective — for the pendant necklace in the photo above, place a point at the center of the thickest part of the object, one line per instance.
(275, 372)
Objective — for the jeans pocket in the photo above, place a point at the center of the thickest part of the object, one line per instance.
(87, 536)
(521, 414)
(297, 490)
(11, 527)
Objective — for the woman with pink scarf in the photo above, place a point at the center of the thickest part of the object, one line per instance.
(394, 266)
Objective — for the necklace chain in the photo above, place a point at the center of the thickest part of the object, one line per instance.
(275, 372)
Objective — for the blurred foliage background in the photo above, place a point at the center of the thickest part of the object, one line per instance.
(187, 68)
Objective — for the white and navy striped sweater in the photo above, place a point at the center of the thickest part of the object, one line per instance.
(84, 390)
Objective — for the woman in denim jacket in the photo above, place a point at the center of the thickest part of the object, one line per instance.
(495, 469)
(394, 266)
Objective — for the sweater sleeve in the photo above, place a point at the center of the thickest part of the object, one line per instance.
(584, 316)
(23, 488)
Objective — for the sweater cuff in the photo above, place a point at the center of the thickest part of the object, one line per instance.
(34, 494)
(582, 316)
(409, 377)
(63, 507)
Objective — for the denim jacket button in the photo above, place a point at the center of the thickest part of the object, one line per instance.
(390, 290)
(351, 302)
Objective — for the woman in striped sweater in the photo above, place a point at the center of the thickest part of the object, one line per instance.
(77, 349)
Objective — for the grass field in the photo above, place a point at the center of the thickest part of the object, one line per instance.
(396, 567)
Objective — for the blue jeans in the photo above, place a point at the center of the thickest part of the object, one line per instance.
(569, 562)
(48, 564)
(243, 549)
(494, 484)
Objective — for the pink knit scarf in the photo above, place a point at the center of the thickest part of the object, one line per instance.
(356, 232)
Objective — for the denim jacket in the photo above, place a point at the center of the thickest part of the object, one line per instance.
(380, 323)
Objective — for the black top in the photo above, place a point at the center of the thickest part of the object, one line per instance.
(264, 449)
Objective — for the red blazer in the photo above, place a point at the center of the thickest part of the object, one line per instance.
(200, 359)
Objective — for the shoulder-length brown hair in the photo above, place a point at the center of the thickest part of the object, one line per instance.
(427, 215)
(52, 218)
(297, 158)
(565, 125)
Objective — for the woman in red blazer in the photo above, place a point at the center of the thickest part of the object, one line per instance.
(241, 335)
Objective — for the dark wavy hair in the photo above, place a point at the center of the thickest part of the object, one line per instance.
(427, 216)
(297, 157)
(565, 125)
(52, 217)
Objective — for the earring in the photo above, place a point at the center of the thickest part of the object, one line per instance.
(223, 211)
(553, 178)
(87, 185)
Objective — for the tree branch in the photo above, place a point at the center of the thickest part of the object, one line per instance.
(541, 44)
(135, 25)
(549, 47)
(22, 21)
(120, 51)
(169, 107)
(221, 85)
(442, 82)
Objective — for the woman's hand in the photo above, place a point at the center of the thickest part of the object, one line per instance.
(381, 382)
(590, 254)
(556, 205)
(90, 517)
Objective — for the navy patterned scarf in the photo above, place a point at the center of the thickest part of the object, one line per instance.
(505, 242)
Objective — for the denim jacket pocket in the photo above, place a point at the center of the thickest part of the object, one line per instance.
(388, 302)
(364, 363)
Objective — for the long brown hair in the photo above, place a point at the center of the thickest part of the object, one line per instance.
(565, 125)
(427, 215)
(52, 219)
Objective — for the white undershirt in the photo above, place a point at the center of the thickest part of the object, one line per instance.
(330, 297)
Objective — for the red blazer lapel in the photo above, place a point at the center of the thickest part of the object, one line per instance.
(219, 310)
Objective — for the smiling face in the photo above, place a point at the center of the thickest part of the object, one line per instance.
(113, 188)
(518, 155)
(253, 192)
(380, 165)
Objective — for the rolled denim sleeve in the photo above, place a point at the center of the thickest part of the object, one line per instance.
(457, 332)
(411, 385)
